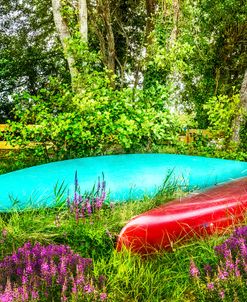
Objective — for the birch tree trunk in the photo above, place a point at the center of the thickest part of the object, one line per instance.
(64, 35)
(82, 4)
(243, 110)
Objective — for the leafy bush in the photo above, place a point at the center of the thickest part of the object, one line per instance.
(221, 111)
(95, 121)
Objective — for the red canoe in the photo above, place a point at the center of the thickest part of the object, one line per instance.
(199, 214)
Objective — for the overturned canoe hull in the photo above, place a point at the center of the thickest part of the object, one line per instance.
(199, 214)
(127, 176)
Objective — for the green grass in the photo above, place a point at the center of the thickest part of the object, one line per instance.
(161, 277)
(130, 278)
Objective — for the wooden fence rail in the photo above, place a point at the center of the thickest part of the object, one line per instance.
(189, 136)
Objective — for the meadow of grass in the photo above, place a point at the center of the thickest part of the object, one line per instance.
(165, 276)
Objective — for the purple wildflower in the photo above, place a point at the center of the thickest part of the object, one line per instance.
(32, 269)
(194, 271)
(80, 281)
(237, 271)
(24, 279)
(63, 269)
(24, 295)
(240, 232)
(74, 286)
(103, 296)
(34, 295)
(64, 287)
(231, 270)
(229, 264)
(222, 274)
(210, 286)
(88, 207)
(84, 206)
(19, 271)
(53, 269)
(235, 243)
(208, 268)
(222, 294)
(82, 213)
(15, 258)
(97, 203)
(7, 297)
(88, 289)
(45, 268)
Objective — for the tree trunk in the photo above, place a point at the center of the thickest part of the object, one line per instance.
(175, 77)
(236, 125)
(176, 13)
(103, 26)
(150, 10)
(147, 50)
(64, 35)
(110, 41)
(243, 93)
(82, 4)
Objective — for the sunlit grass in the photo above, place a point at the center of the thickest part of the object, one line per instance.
(160, 277)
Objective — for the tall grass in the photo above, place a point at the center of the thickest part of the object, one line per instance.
(128, 278)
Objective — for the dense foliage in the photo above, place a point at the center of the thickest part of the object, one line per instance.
(98, 121)
(30, 51)
(122, 72)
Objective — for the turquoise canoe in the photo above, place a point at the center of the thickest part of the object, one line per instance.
(127, 177)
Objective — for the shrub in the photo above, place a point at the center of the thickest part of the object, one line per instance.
(99, 120)
(221, 111)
